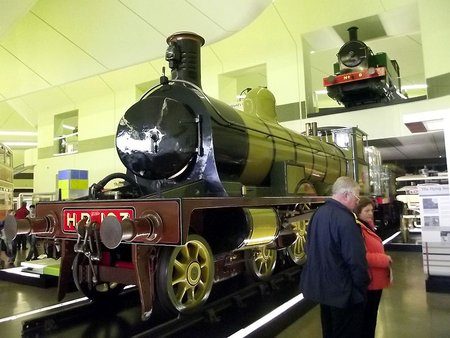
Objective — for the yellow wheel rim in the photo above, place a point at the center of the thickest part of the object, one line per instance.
(296, 251)
(190, 274)
(263, 262)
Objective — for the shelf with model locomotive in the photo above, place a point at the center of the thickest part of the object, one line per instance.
(209, 192)
(362, 77)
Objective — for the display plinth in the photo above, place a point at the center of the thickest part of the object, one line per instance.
(438, 284)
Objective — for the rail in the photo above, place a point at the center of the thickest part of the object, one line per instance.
(222, 316)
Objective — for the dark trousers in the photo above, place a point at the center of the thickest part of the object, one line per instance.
(371, 312)
(11, 251)
(21, 241)
(342, 323)
(33, 253)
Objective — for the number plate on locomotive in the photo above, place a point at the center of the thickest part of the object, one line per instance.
(72, 216)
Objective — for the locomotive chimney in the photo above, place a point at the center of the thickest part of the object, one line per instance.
(183, 55)
(353, 33)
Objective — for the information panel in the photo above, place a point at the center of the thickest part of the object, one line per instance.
(435, 212)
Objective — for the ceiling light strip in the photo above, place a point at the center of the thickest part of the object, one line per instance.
(19, 144)
(17, 133)
(66, 126)
(415, 86)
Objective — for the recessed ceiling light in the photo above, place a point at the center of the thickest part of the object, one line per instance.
(415, 86)
(17, 133)
(66, 126)
(20, 144)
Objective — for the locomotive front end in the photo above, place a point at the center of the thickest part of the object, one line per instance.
(159, 136)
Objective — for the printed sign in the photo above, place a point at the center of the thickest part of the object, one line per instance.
(72, 216)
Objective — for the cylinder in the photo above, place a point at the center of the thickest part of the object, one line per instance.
(263, 226)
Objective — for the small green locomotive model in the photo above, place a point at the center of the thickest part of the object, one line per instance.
(362, 77)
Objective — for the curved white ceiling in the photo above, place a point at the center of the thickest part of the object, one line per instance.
(52, 42)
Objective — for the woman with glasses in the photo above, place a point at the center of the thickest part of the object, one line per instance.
(377, 261)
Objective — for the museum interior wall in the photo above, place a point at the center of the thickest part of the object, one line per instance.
(270, 52)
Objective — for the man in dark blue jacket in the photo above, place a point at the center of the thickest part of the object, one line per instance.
(336, 274)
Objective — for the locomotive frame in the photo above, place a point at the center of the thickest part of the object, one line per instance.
(209, 192)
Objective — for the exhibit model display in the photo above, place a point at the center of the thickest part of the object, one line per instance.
(209, 192)
(362, 77)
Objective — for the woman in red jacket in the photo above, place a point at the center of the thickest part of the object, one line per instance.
(378, 262)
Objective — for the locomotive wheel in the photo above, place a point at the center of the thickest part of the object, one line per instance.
(260, 262)
(185, 275)
(296, 250)
(82, 276)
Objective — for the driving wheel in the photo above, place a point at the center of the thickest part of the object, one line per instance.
(185, 275)
(296, 250)
(260, 262)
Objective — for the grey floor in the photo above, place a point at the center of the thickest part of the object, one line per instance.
(406, 309)
(18, 299)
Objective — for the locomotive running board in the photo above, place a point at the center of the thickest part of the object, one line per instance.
(189, 204)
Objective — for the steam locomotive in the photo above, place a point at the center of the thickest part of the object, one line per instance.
(209, 192)
(362, 77)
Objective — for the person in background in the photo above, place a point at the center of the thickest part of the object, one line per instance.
(336, 272)
(32, 213)
(11, 246)
(22, 213)
(378, 262)
(4, 245)
(33, 253)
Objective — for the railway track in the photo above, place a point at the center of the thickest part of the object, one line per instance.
(225, 313)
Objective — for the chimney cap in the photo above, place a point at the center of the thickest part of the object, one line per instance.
(185, 35)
